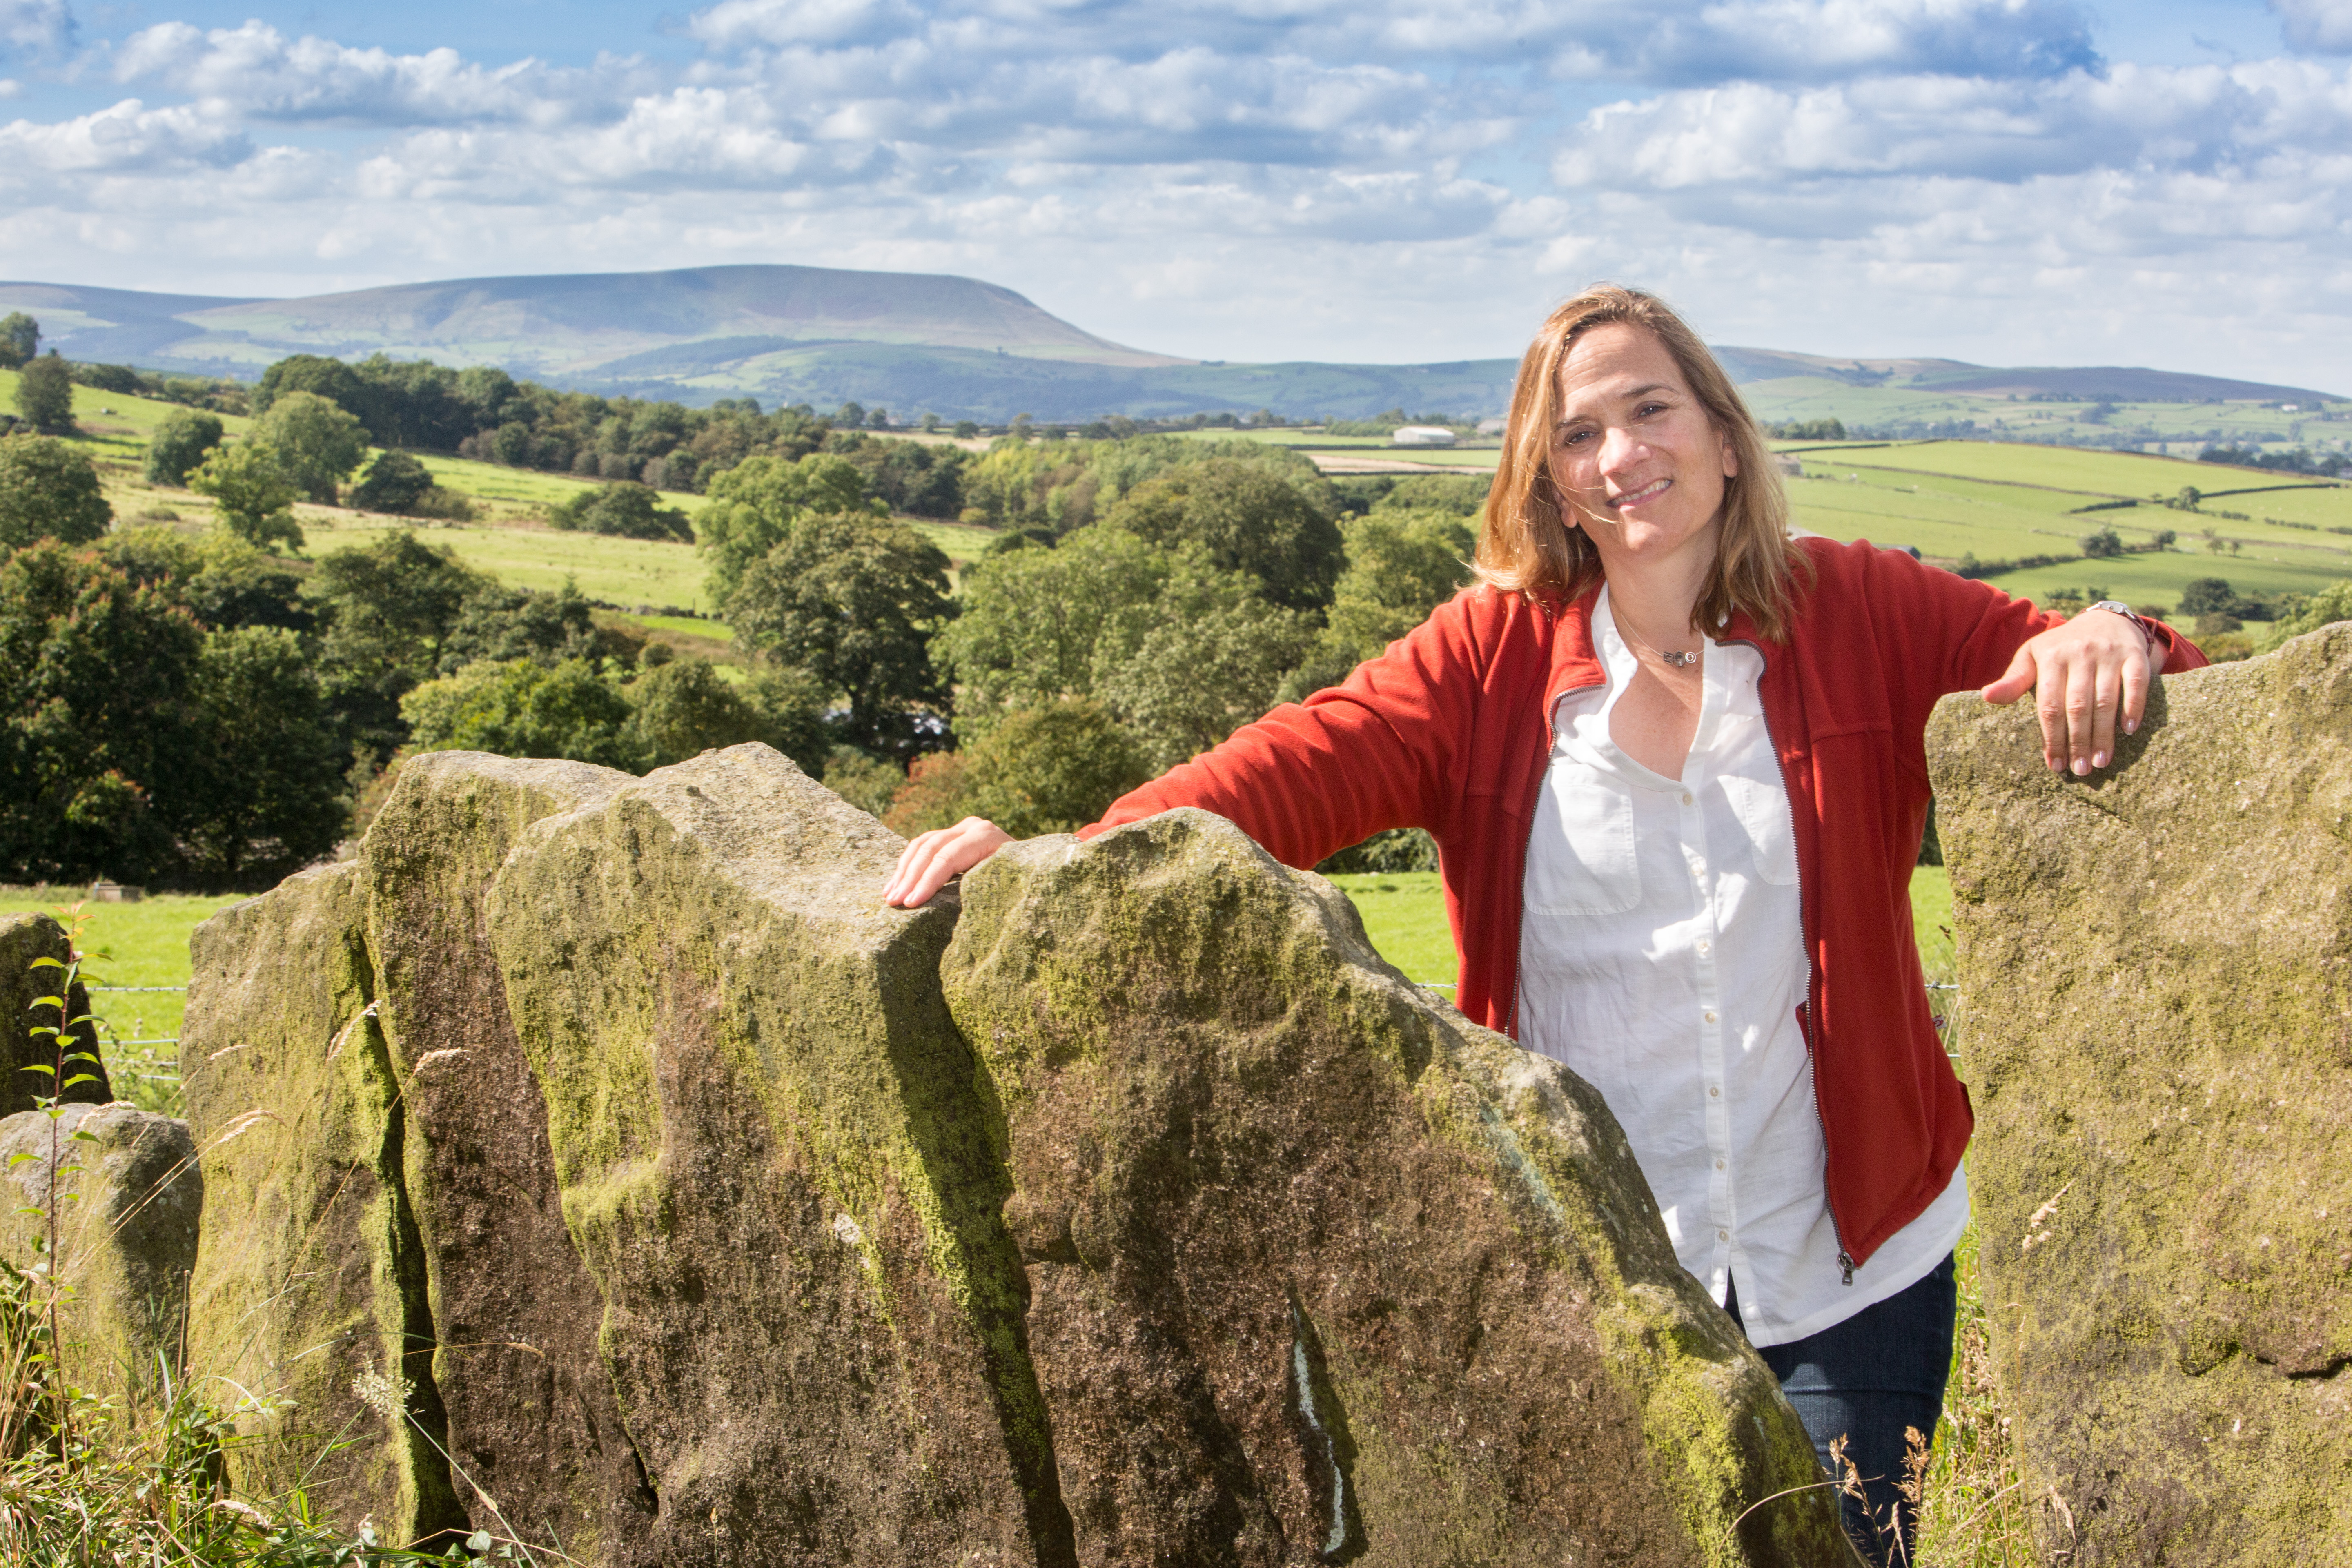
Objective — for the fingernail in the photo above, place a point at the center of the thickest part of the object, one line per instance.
(2098, 759)
(2131, 726)
(2081, 766)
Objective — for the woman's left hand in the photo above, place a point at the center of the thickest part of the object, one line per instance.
(2083, 674)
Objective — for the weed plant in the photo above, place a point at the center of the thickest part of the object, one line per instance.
(89, 1479)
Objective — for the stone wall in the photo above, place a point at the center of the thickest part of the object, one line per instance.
(2156, 968)
(607, 1161)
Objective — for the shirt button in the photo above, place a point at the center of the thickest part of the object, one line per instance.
(1687, 799)
(1719, 1165)
(1713, 1091)
(1704, 949)
(1723, 1235)
(1710, 1016)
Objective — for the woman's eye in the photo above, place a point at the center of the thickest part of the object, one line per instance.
(1649, 408)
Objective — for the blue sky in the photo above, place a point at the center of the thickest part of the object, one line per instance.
(2005, 181)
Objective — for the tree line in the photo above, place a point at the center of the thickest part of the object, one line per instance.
(209, 710)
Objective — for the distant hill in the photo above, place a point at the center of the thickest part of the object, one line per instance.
(908, 342)
(2117, 383)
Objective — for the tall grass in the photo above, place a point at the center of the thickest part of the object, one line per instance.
(89, 1477)
(1972, 1510)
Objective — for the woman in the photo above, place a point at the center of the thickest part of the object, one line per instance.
(1673, 761)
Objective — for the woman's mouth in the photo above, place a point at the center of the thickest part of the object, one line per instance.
(1649, 491)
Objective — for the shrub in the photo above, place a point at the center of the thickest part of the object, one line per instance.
(252, 497)
(318, 444)
(45, 393)
(523, 708)
(180, 443)
(394, 482)
(48, 490)
(2104, 544)
(625, 509)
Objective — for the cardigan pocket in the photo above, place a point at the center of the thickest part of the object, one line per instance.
(1581, 858)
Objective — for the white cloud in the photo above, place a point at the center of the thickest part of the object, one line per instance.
(2135, 118)
(270, 77)
(128, 137)
(2322, 26)
(37, 26)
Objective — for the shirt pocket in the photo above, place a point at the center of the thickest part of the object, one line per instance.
(1762, 812)
(1587, 863)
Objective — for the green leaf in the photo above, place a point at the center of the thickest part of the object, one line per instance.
(38, 1067)
(81, 1078)
(47, 964)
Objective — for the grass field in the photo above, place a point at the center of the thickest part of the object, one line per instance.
(142, 944)
(2007, 501)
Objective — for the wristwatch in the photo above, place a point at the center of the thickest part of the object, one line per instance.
(2134, 616)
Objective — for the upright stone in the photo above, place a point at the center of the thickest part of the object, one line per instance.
(540, 1449)
(778, 1168)
(125, 1192)
(24, 1054)
(2156, 972)
(1322, 1272)
(308, 1293)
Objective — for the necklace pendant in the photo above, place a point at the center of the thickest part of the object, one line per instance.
(1678, 659)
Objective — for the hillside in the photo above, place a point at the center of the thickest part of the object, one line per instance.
(961, 347)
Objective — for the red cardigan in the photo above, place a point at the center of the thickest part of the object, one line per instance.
(1450, 730)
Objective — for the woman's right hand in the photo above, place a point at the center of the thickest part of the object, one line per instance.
(932, 858)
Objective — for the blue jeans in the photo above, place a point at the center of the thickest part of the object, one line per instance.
(1866, 1379)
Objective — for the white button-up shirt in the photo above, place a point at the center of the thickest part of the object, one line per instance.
(1662, 959)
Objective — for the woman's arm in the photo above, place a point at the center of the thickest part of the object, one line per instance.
(1941, 633)
(1372, 752)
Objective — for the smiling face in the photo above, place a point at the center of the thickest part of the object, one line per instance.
(1635, 454)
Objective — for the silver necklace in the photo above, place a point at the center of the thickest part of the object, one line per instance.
(1677, 659)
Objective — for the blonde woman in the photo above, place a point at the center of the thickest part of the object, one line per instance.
(1673, 760)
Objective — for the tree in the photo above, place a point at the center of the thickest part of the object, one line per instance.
(332, 379)
(627, 509)
(252, 497)
(2102, 544)
(318, 444)
(95, 675)
(1206, 656)
(1030, 619)
(2207, 597)
(1049, 769)
(682, 707)
(1401, 566)
(265, 765)
(223, 580)
(1249, 519)
(855, 600)
(388, 610)
(523, 708)
(755, 503)
(45, 393)
(48, 490)
(20, 339)
(394, 482)
(180, 443)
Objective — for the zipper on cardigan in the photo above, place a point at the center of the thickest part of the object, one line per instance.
(1846, 1264)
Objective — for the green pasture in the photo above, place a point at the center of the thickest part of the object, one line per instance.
(1404, 916)
(624, 572)
(2189, 426)
(139, 944)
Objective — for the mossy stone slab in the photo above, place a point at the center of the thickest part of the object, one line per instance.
(538, 1447)
(776, 1164)
(309, 1278)
(2156, 972)
(1319, 1270)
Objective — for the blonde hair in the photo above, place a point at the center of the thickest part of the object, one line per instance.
(1526, 546)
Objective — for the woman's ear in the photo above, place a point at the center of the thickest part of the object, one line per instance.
(1730, 454)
